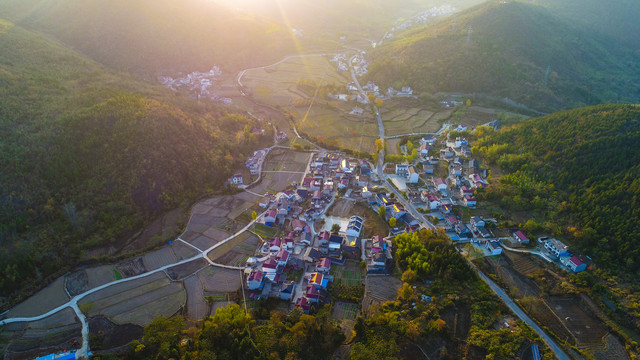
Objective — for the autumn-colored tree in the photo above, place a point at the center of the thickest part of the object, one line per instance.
(405, 292)
(409, 276)
(392, 222)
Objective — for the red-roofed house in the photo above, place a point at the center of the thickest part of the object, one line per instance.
(270, 265)
(298, 225)
(304, 304)
(307, 182)
(270, 217)
(470, 201)
(282, 258)
(275, 245)
(323, 237)
(441, 184)
(452, 221)
(323, 265)
(520, 237)
(574, 263)
(255, 280)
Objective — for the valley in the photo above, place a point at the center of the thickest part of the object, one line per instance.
(433, 181)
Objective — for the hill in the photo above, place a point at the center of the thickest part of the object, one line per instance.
(580, 171)
(516, 50)
(155, 36)
(88, 154)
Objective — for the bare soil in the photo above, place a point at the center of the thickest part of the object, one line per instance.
(379, 289)
(77, 282)
(109, 335)
(182, 271)
(131, 267)
(44, 300)
(197, 307)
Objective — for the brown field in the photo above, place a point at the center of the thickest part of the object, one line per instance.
(159, 258)
(182, 251)
(100, 275)
(197, 307)
(236, 251)
(275, 182)
(220, 280)
(131, 267)
(77, 282)
(276, 85)
(111, 335)
(583, 326)
(44, 300)
(182, 271)
(286, 160)
(412, 120)
(379, 289)
(613, 349)
(54, 333)
(137, 301)
(522, 263)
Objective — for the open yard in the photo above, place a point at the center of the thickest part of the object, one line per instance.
(236, 251)
(137, 301)
(276, 85)
(44, 300)
(373, 224)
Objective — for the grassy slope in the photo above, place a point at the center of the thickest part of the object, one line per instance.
(155, 36)
(511, 47)
(88, 154)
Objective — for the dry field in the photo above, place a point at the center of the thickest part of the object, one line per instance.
(182, 271)
(236, 251)
(276, 85)
(31, 339)
(137, 301)
(274, 182)
(379, 289)
(583, 326)
(286, 160)
(44, 300)
(218, 280)
(197, 307)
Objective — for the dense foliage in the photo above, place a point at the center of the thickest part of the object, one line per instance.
(88, 155)
(580, 168)
(232, 334)
(430, 255)
(395, 329)
(516, 50)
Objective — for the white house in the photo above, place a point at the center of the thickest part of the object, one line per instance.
(236, 179)
(355, 226)
(556, 247)
(430, 199)
(441, 184)
(574, 263)
(323, 265)
(520, 237)
(494, 247)
(413, 175)
(402, 170)
(282, 258)
(287, 289)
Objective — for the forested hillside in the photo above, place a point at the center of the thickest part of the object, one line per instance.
(155, 36)
(581, 169)
(88, 154)
(517, 50)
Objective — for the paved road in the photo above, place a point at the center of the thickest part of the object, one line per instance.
(521, 314)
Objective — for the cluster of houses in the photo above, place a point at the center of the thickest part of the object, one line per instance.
(561, 251)
(197, 83)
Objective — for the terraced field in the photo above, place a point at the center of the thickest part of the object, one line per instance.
(276, 85)
(137, 301)
(44, 300)
(411, 120)
(237, 251)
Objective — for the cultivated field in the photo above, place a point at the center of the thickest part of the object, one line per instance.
(236, 251)
(379, 289)
(137, 301)
(332, 123)
(197, 307)
(218, 281)
(44, 300)
(100, 275)
(349, 274)
(585, 328)
(182, 271)
(344, 310)
(411, 120)
(159, 258)
(276, 85)
(286, 160)
(28, 340)
(277, 181)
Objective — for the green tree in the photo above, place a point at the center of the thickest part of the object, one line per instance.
(382, 211)
(335, 229)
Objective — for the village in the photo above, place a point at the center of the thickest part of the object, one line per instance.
(298, 265)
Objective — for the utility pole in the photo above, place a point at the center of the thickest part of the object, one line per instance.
(469, 36)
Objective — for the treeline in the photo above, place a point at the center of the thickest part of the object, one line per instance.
(89, 156)
(580, 169)
(231, 334)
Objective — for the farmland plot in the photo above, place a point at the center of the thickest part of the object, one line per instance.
(44, 300)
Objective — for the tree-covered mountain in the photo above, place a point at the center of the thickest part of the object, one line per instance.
(155, 36)
(88, 154)
(580, 169)
(517, 50)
